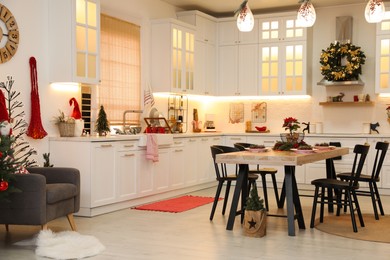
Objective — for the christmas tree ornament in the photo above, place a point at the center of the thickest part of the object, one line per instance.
(3, 185)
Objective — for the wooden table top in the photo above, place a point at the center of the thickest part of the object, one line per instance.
(271, 157)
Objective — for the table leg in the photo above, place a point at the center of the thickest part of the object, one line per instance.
(241, 179)
(288, 171)
(297, 201)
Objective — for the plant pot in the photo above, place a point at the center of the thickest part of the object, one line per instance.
(255, 223)
(66, 129)
(292, 138)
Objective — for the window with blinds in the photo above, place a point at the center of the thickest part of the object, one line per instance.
(120, 87)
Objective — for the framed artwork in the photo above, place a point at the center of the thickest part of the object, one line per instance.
(236, 114)
(259, 112)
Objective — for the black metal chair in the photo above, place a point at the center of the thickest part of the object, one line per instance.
(371, 179)
(263, 172)
(222, 176)
(347, 187)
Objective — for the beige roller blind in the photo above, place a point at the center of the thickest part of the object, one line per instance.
(120, 87)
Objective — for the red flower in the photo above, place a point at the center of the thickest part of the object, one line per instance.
(1, 154)
(291, 124)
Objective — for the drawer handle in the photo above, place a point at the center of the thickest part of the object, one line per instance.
(235, 138)
(129, 145)
(178, 150)
(106, 145)
(216, 139)
(192, 140)
(205, 139)
(178, 142)
(129, 155)
(269, 142)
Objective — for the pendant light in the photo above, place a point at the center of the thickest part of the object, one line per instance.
(306, 14)
(375, 10)
(245, 19)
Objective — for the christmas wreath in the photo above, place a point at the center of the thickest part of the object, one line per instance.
(341, 62)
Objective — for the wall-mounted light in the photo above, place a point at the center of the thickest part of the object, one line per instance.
(375, 11)
(306, 16)
(245, 19)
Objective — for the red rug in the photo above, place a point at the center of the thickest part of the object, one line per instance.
(176, 205)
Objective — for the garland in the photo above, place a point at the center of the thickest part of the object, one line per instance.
(341, 62)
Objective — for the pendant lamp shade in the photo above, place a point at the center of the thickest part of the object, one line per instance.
(375, 11)
(245, 19)
(306, 14)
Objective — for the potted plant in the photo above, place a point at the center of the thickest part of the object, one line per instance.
(255, 218)
(66, 125)
(292, 125)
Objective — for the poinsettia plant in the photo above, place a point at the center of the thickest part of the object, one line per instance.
(291, 124)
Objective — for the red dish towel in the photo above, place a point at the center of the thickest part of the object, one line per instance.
(151, 147)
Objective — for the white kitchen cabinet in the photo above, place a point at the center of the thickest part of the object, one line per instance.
(382, 74)
(238, 70)
(178, 165)
(228, 33)
(282, 56)
(185, 164)
(237, 60)
(206, 25)
(173, 56)
(103, 183)
(205, 50)
(74, 41)
(126, 163)
(205, 167)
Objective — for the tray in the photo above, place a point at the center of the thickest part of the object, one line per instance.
(159, 122)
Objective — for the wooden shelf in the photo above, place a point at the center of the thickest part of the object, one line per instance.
(351, 103)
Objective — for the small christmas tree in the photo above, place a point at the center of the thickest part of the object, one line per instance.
(102, 126)
(15, 152)
(253, 202)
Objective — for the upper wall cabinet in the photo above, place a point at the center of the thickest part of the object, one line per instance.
(74, 41)
(237, 60)
(282, 56)
(228, 33)
(382, 68)
(205, 50)
(173, 54)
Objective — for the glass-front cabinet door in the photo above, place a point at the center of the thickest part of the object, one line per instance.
(382, 70)
(282, 56)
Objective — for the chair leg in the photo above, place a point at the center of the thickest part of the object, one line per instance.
(275, 188)
(217, 193)
(373, 199)
(282, 196)
(322, 204)
(359, 212)
(313, 211)
(378, 198)
(71, 221)
(351, 210)
(227, 191)
(264, 182)
(7, 227)
(44, 227)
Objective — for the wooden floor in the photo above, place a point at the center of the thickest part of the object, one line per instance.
(137, 234)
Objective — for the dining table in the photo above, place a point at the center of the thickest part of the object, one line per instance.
(289, 159)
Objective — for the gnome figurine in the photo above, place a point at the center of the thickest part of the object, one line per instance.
(76, 114)
(5, 126)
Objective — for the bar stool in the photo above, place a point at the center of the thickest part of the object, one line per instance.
(263, 172)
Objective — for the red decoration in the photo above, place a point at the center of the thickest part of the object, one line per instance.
(3, 185)
(3, 108)
(35, 128)
(76, 114)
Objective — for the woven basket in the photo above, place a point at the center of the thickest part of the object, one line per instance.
(66, 129)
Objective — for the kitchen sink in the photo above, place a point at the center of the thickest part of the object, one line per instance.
(162, 139)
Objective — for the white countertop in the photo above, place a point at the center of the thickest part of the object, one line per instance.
(183, 135)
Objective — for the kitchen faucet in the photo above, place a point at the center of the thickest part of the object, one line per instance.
(130, 129)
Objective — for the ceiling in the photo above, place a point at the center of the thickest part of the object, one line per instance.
(221, 8)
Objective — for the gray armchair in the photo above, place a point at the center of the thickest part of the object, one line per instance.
(47, 193)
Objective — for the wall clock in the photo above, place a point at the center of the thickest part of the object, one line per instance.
(9, 34)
